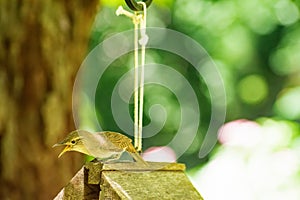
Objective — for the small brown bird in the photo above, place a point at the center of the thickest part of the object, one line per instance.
(104, 146)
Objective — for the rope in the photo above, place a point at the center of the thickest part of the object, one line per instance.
(143, 41)
(138, 19)
(136, 80)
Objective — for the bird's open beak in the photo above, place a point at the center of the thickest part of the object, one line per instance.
(67, 148)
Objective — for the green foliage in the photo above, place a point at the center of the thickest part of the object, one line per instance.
(255, 45)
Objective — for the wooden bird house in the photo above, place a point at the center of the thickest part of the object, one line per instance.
(129, 181)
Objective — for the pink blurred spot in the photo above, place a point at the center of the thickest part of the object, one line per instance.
(240, 133)
(160, 154)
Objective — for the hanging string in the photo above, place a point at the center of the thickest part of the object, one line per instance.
(138, 19)
(136, 82)
(143, 41)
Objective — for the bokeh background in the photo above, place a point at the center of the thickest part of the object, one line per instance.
(255, 46)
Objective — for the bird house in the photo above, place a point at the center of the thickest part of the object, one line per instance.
(129, 180)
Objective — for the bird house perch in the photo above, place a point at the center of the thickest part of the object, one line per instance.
(129, 181)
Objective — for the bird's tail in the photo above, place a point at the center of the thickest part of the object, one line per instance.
(138, 158)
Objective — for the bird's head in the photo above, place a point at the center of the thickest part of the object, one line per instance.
(73, 142)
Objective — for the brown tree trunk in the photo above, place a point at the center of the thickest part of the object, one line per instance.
(42, 44)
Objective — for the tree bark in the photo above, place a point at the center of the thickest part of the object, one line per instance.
(42, 44)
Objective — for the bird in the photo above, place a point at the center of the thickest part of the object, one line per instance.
(105, 146)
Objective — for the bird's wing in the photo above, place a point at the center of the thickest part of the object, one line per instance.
(120, 141)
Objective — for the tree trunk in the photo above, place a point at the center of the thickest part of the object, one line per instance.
(42, 44)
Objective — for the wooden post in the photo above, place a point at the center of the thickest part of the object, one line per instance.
(129, 181)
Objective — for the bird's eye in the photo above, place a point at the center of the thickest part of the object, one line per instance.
(73, 142)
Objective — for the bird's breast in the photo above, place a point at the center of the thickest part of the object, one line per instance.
(100, 147)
